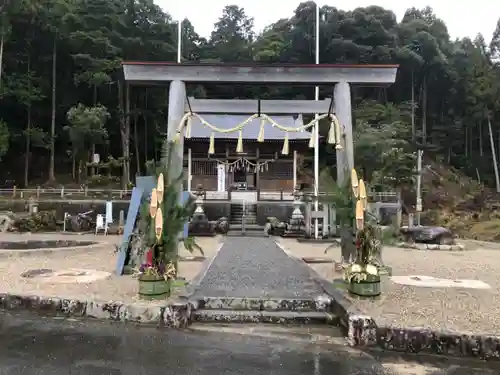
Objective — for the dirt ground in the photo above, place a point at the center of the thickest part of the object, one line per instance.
(451, 309)
(101, 258)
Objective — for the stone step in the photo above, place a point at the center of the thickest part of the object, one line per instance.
(239, 233)
(320, 304)
(247, 222)
(270, 317)
(248, 227)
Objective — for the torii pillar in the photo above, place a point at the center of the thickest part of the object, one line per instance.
(176, 104)
(343, 111)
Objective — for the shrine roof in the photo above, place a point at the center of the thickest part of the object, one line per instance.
(251, 130)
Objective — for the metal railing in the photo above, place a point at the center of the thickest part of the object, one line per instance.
(84, 193)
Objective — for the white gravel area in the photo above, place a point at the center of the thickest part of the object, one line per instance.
(101, 258)
(468, 311)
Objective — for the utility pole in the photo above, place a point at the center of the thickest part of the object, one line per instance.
(316, 135)
(420, 154)
(179, 41)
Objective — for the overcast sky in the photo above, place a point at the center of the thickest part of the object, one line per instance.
(463, 18)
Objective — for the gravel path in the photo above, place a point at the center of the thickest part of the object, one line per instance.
(461, 310)
(256, 267)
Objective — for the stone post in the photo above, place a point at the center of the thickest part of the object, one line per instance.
(342, 107)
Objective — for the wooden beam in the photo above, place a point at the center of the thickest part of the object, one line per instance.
(250, 106)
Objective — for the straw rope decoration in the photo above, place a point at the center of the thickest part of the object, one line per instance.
(334, 133)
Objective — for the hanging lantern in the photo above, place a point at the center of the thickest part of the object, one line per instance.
(160, 189)
(158, 223)
(153, 206)
(354, 183)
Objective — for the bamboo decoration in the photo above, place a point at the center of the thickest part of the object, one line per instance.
(158, 223)
(360, 215)
(153, 207)
(359, 192)
(160, 188)
(354, 183)
(362, 194)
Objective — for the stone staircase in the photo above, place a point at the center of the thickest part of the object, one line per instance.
(256, 281)
(249, 227)
(271, 311)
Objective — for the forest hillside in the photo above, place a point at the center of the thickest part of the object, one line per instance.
(62, 100)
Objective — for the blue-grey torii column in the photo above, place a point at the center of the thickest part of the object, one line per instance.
(176, 104)
(342, 107)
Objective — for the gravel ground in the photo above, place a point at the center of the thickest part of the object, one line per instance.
(256, 267)
(102, 258)
(451, 309)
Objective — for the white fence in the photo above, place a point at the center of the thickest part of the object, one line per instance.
(65, 193)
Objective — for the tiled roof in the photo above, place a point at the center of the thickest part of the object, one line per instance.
(251, 130)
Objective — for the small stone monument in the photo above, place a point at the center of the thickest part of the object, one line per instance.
(199, 224)
(296, 226)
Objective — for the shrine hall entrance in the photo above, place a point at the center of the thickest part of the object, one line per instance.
(243, 179)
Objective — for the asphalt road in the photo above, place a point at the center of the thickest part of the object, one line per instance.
(36, 345)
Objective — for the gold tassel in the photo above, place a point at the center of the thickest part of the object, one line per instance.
(338, 140)
(239, 145)
(312, 139)
(211, 147)
(177, 137)
(188, 127)
(284, 150)
(260, 138)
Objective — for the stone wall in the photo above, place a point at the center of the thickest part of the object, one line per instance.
(280, 210)
(213, 209)
(216, 210)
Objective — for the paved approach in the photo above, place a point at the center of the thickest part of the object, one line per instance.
(256, 267)
(32, 345)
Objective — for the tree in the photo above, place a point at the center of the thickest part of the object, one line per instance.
(56, 14)
(444, 91)
(87, 127)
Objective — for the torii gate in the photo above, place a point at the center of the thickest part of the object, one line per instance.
(339, 76)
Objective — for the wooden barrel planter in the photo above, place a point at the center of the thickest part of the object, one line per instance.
(366, 288)
(153, 288)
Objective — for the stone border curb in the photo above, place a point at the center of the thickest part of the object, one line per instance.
(73, 249)
(363, 331)
(423, 246)
(332, 241)
(172, 315)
